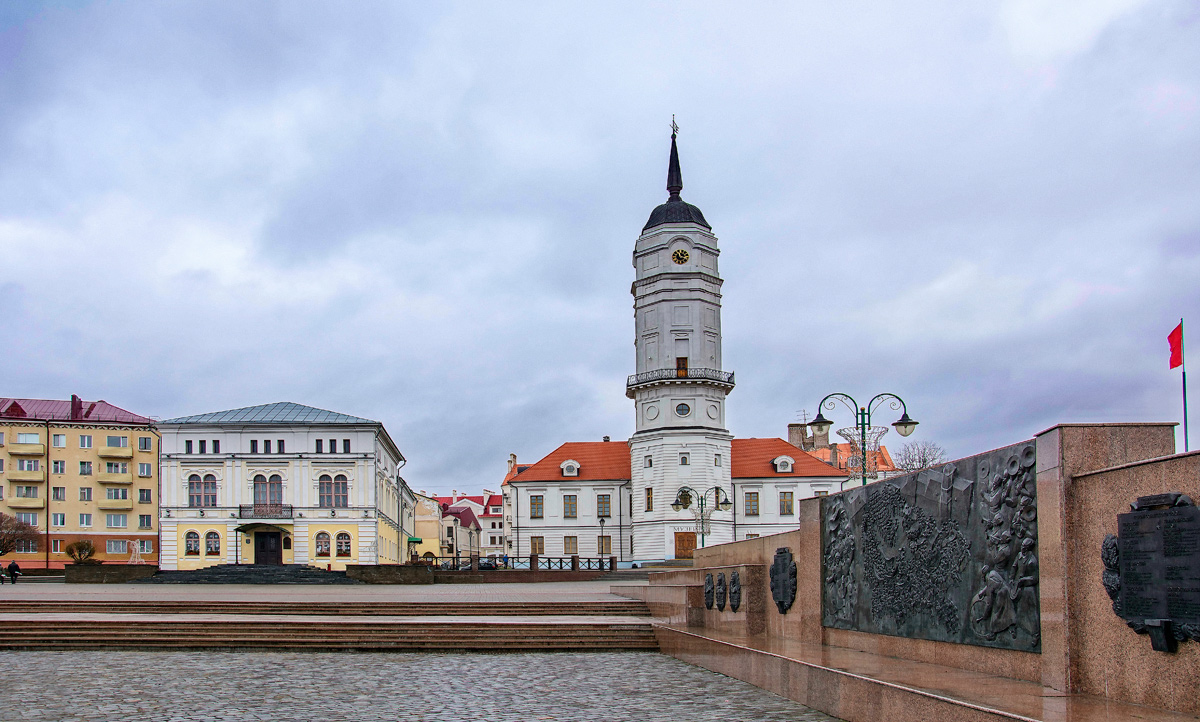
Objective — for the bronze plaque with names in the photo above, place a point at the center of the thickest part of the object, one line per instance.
(1159, 566)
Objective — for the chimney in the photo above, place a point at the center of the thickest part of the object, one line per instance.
(799, 437)
(76, 408)
(512, 462)
(820, 441)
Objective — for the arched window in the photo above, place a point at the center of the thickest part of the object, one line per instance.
(268, 492)
(343, 544)
(191, 543)
(322, 544)
(212, 544)
(341, 492)
(195, 495)
(325, 487)
(210, 490)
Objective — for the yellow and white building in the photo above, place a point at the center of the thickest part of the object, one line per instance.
(79, 470)
(282, 483)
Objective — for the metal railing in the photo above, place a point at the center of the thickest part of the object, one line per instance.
(463, 563)
(265, 511)
(724, 377)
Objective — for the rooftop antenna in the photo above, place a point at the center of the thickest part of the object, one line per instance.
(803, 416)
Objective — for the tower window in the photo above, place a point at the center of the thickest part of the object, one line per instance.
(649, 462)
(649, 499)
(716, 460)
(683, 460)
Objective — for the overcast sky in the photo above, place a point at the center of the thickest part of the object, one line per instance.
(424, 213)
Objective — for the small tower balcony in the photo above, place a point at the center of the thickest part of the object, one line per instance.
(714, 377)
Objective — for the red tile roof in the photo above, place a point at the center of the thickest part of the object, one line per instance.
(844, 451)
(515, 471)
(492, 500)
(54, 410)
(598, 461)
(752, 460)
(466, 517)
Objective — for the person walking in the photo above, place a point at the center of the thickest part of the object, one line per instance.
(13, 571)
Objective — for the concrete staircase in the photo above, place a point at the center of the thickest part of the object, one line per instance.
(249, 574)
(617, 608)
(324, 636)
(326, 626)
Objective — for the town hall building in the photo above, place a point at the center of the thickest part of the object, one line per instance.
(682, 479)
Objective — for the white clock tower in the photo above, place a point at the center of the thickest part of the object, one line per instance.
(679, 389)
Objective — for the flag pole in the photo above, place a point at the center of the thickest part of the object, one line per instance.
(1183, 360)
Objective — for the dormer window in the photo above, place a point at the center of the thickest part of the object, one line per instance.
(570, 467)
(783, 464)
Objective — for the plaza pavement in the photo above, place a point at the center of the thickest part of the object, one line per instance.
(118, 686)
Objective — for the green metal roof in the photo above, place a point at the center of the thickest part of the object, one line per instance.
(282, 412)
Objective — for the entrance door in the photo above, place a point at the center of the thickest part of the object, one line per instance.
(685, 544)
(267, 547)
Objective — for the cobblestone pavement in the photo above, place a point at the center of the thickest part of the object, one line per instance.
(279, 687)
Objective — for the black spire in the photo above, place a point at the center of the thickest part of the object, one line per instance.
(675, 210)
(674, 176)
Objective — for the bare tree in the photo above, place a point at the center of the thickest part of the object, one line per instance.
(12, 531)
(918, 455)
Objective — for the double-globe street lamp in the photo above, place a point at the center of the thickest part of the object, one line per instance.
(683, 500)
(862, 415)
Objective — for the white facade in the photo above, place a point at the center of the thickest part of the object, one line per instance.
(556, 532)
(248, 474)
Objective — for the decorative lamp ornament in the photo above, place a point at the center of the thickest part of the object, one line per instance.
(820, 425)
(905, 426)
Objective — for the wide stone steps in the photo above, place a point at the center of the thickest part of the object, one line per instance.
(336, 636)
(630, 608)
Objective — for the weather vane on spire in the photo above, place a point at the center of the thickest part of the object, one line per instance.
(674, 127)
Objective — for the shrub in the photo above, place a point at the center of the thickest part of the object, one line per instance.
(82, 552)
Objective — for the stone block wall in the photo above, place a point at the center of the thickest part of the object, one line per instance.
(107, 573)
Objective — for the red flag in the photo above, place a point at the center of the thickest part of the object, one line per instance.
(1175, 338)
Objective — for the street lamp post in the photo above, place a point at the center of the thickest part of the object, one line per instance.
(683, 500)
(862, 419)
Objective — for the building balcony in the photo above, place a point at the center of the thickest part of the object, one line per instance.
(265, 511)
(712, 376)
(106, 478)
(27, 476)
(115, 452)
(27, 449)
(115, 504)
(21, 502)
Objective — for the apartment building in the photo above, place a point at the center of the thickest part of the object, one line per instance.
(76, 470)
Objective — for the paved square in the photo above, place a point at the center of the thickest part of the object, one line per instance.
(234, 686)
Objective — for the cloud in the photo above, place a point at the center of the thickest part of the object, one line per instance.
(426, 215)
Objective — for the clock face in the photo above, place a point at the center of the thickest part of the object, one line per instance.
(683, 409)
(680, 256)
